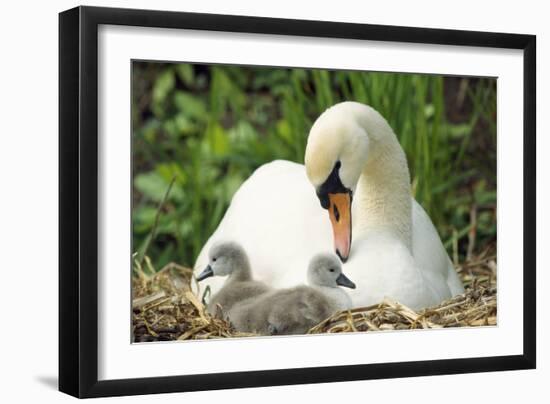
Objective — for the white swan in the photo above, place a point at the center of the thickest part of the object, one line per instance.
(352, 155)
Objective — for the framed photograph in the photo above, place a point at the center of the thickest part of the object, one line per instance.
(252, 201)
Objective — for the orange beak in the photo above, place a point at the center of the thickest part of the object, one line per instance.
(339, 213)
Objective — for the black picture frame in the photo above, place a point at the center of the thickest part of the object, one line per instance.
(78, 200)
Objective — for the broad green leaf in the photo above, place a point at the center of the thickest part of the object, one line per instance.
(185, 73)
(154, 186)
(218, 140)
(163, 85)
(190, 106)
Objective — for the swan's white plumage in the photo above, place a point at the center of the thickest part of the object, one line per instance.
(277, 218)
(396, 251)
(279, 250)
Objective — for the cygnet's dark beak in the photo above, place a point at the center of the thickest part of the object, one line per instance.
(207, 273)
(344, 281)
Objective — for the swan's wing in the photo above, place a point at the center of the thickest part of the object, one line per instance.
(453, 281)
(430, 255)
(386, 268)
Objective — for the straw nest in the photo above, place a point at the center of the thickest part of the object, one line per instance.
(166, 309)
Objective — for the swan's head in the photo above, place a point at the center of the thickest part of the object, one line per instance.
(336, 154)
(225, 258)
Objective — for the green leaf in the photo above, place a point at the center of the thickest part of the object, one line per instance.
(170, 170)
(162, 87)
(460, 130)
(218, 140)
(284, 130)
(143, 218)
(190, 106)
(153, 186)
(185, 73)
(429, 110)
(149, 130)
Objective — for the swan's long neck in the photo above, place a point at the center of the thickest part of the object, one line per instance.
(382, 201)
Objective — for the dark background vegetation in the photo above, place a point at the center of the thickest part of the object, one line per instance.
(210, 127)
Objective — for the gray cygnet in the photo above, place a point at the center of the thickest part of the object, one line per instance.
(230, 259)
(296, 310)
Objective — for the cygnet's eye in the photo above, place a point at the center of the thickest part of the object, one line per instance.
(214, 259)
(331, 269)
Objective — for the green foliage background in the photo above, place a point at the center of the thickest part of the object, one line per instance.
(210, 127)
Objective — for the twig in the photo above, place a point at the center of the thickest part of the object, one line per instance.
(461, 94)
(143, 301)
(455, 248)
(472, 233)
(152, 235)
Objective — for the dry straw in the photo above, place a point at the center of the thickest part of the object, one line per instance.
(165, 308)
